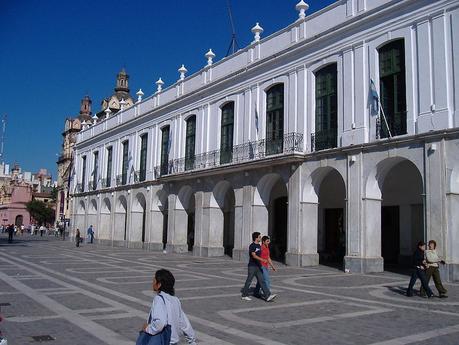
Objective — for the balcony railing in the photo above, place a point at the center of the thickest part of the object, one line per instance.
(79, 188)
(396, 123)
(92, 185)
(65, 156)
(105, 183)
(254, 150)
(323, 140)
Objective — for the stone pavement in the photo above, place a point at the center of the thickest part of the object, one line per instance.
(101, 295)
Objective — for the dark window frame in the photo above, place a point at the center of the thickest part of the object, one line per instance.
(143, 157)
(125, 162)
(227, 133)
(109, 166)
(190, 143)
(165, 142)
(275, 108)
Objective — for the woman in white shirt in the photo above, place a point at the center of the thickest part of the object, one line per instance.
(167, 309)
(432, 270)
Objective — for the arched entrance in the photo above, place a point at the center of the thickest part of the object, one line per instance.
(190, 224)
(80, 216)
(273, 193)
(402, 212)
(19, 220)
(331, 240)
(92, 216)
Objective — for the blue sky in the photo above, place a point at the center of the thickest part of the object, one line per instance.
(53, 52)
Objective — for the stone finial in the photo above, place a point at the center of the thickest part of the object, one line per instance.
(209, 56)
(139, 95)
(257, 30)
(122, 103)
(182, 70)
(302, 7)
(94, 119)
(159, 85)
(107, 112)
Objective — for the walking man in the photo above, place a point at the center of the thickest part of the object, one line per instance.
(10, 230)
(419, 271)
(254, 270)
(91, 234)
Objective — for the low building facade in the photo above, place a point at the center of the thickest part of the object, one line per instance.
(338, 136)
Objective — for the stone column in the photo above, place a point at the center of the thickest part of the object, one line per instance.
(208, 227)
(452, 256)
(302, 226)
(176, 227)
(248, 218)
(155, 240)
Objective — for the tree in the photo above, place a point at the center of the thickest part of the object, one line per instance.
(54, 194)
(40, 211)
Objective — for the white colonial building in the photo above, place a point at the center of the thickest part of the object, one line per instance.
(286, 137)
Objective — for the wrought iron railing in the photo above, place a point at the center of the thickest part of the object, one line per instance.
(105, 183)
(396, 123)
(290, 143)
(325, 139)
(92, 185)
(79, 188)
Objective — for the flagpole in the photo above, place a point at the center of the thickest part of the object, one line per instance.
(385, 120)
(375, 95)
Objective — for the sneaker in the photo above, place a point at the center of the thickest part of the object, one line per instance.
(431, 296)
(246, 298)
(271, 297)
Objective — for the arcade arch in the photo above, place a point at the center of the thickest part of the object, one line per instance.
(271, 213)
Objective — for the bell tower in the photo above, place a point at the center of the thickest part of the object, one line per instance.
(85, 107)
(122, 81)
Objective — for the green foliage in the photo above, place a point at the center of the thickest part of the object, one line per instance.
(40, 212)
(54, 194)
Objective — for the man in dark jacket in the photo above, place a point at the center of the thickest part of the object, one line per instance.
(10, 231)
(419, 271)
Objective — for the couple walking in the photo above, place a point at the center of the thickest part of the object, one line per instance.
(426, 265)
(258, 267)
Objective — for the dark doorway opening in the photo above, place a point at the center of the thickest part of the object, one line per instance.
(165, 220)
(335, 237)
(19, 220)
(390, 234)
(279, 229)
(190, 232)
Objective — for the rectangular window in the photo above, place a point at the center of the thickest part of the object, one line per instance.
(226, 136)
(83, 173)
(109, 166)
(165, 148)
(95, 171)
(393, 88)
(326, 132)
(125, 166)
(190, 143)
(143, 157)
(275, 119)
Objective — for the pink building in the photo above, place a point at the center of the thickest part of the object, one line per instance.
(16, 212)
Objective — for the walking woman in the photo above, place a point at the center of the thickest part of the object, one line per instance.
(77, 237)
(433, 271)
(166, 316)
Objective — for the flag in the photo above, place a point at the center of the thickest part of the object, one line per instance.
(256, 120)
(130, 169)
(374, 97)
(169, 144)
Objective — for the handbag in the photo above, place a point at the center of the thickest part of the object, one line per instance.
(161, 338)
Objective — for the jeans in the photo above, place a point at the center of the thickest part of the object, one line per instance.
(255, 271)
(421, 274)
(266, 278)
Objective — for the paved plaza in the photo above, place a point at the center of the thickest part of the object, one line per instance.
(101, 295)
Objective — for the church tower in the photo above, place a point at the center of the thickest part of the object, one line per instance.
(122, 82)
(85, 109)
